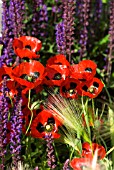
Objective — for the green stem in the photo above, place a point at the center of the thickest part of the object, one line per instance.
(112, 149)
(84, 106)
(71, 155)
(28, 149)
(56, 153)
(31, 113)
(111, 120)
(110, 100)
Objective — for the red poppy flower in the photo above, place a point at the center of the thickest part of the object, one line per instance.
(55, 75)
(68, 88)
(59, 59)
(27, 46)
(88, 151)
(79, 163)
(91, 88)
(84, 71)
(44, 124)
(29, 74)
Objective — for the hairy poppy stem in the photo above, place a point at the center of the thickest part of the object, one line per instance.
(31, 113)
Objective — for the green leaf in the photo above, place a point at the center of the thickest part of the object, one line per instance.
(104, 40)
(104, 1)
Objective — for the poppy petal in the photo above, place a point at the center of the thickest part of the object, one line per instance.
(59, 59)
(38, 127)
(78, 163)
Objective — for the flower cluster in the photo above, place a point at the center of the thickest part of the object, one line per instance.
(73, 80)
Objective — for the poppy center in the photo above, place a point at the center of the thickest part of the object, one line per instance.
(49, 127)
(57, 76)
(32, 77)
(71, 91)
(28, 47)
(91, 89)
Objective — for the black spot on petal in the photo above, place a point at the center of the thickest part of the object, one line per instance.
(64, 90)
(88, 69)
(28, 46)
(85, 88)
(73, 85)
(51, 120)
(40, 127)
(83, 80)
(47, 77)
(95, 84)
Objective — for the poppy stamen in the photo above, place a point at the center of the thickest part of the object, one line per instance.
(49, 127)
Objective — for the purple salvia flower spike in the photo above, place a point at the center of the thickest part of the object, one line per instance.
(66, 165)
(16, 15)
(68, 26)
(7, 36)
(50, 152)
(84, 21)
(16, 131)
(40, 18)
(4, 111)
(111, 41)
(60, 38)
(98, 10)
